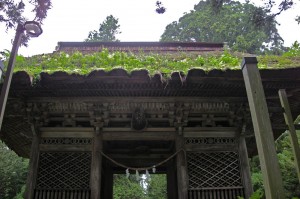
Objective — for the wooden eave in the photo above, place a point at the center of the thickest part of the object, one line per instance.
(117, 84)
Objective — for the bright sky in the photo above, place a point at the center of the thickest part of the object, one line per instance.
(71, 20)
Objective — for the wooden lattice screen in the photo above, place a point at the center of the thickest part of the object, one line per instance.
(63, 175)
(214, 175)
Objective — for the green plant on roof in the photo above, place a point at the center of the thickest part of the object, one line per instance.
(79, 63)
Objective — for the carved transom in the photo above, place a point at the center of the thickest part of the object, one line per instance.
(68, 141)
(210, 140)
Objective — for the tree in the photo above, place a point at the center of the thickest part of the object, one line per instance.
(231, 24)
(127, 188)
(157, 186)
(287, 167)
(11, 11)
(13, 172)
(108, 30)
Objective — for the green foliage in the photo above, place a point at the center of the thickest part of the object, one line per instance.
(79, 63)
(153, 187)
(127, 188)
(11, 11)
(287, 167)
(157, 188)
(13, 172)
(107, 31)
(230, 24)
(294, 51)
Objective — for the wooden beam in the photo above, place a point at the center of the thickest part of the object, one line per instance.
(108, 181)
(64, 147)
(33, 167)
(262, 128)
(245, 168)
(138, 136)
(290, 122)
(96, 165)
(182, 176)
(210, 132)
(171, 180)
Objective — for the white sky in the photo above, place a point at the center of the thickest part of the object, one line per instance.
(71, 20)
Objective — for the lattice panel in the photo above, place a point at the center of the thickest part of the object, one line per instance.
(64, 170)
(210, 140)
(69, 141)
(213, 170)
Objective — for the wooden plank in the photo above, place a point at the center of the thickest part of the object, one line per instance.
(58, 132)
(211, 147)
(89, 99)
(182, 176)
(138, 136)
(33, 167)
(292, 131)
(158, 129)
(65, 147)
(210, 132)
(96, 166)
(245, 168)
(262, 128)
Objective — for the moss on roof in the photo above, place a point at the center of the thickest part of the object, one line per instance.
(163, 63)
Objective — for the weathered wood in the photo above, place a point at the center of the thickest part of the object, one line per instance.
(292, 131)
(182, 176)
(64, 147)
(108, 181)
(211, 147)
(171, 180)
(245, 168)
(262, 128)
(65, 132)
(210, 132)
(96, 165)
(33, 168)
(138, 136)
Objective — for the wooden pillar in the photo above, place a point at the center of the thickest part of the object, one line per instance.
(182, 177)
(96, 165)
(292, 131)
(108, 181)
(33, 167)
(262, 128)
(245, 168)
(171, 180)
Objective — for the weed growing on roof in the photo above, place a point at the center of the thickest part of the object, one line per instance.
(79, 63)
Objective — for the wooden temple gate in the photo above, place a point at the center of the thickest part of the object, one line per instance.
(80, 130)
(71, 162)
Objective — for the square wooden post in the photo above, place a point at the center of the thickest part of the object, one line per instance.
(292, 131)
(245, 168)
(182, 176)
(263, 131)
(96, 165)
(171, 180)
(33, 167)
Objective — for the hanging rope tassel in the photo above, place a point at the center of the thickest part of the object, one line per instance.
(147, 174)
(137, 175)
(127, 173)
(153, 169)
